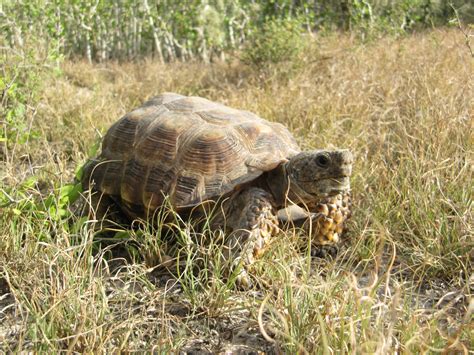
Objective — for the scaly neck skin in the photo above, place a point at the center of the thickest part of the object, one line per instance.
(278, 182)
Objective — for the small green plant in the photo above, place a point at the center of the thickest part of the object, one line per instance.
(50, 208)
(18, 90)
(278, 41)
(22, 72)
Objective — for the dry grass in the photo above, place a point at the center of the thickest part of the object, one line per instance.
(402, 283)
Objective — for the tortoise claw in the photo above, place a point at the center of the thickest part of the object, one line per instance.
(324, 251)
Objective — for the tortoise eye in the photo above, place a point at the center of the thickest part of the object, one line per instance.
(322, 161)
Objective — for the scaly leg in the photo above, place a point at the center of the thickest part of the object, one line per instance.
(324, 223)
(253, 221)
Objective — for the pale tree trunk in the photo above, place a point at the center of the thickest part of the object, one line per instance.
(155, 32)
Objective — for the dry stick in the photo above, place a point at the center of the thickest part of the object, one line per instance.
(135, 35)
(139, 36)
(155, 32)
(100, 38)
(89, 29)
(106, 36)
(58, 32)
(114, 50)
(202, 49)
(88, 44)
(182, 51)
(386, 346)
(261, 326)
(127, 36)
(129, 31)
(17, 37)
(169, 45)
(231, 33)
(467, 35)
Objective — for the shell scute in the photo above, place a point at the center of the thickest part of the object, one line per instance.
(192, 104)
(159, 181)
(111, 172)
(164, 98)
(188, 188)
(211, 152)
(133, 179)
(162, 137)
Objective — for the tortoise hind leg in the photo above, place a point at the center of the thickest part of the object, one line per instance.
(253, 221)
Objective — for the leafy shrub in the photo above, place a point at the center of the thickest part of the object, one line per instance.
(170, 30)
(280, 40)
(21, 76)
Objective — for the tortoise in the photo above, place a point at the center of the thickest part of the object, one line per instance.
(189, 150)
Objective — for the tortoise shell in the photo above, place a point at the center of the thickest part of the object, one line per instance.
(187, 148)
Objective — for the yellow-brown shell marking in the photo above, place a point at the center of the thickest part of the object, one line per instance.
(188, 148)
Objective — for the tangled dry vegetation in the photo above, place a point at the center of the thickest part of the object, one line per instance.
(403, 281)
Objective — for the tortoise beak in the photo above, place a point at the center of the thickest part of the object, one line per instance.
(340, 184)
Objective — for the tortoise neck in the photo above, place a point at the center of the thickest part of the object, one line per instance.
(276, 181)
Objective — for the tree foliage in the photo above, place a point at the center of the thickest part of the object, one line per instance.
(100, 30)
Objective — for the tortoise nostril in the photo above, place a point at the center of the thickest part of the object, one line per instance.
(322, 161)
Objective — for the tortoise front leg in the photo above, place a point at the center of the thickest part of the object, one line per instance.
(324, 222)
(322, 241)
(253, 222)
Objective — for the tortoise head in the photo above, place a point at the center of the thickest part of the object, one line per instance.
(319, 173)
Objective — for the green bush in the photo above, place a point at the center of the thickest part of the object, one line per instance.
(171, 30)
(21, 81)
(19, 89)
(280, 40)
